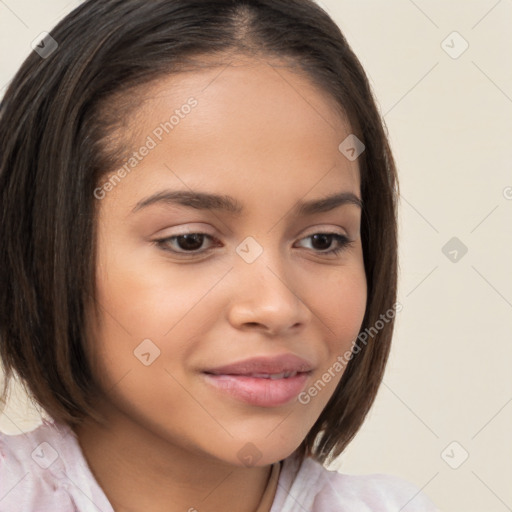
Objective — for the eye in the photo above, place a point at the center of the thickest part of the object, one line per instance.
(192, 243)
(325, 241)
(185, 243)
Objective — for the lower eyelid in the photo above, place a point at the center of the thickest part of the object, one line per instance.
(342, 240)
(163, 242)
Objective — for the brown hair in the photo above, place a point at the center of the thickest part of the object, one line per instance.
(54, 129)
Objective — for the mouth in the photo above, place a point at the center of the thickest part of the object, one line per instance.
(272, 376)
(263, 381)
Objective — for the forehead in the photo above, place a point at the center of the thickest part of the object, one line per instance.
(247, 123)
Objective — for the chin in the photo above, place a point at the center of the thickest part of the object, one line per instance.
(258, 451)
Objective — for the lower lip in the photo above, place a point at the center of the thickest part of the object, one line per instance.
(259, 391)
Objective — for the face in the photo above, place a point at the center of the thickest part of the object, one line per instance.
(218, 266)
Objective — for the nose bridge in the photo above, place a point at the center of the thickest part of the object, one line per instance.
(265, 293)
(262, 261)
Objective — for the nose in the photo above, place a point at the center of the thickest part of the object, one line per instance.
(264, 298)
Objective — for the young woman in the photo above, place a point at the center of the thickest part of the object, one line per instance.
(198, 232)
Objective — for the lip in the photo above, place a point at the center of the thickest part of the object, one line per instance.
(249, 381)
(264, 364)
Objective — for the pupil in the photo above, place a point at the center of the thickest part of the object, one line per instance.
(323, 238)
(192, 242)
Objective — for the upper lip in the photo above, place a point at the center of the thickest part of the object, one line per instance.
(286, 363)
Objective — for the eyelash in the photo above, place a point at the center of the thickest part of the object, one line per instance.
(163, 243)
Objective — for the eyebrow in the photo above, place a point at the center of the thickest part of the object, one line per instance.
(228, 204)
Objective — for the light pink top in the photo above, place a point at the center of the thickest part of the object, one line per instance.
(45, 471)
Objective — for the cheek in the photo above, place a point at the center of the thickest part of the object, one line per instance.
(344, 304)
(140, 298)
(143, 292)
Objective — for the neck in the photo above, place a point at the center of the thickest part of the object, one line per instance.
(139, 470)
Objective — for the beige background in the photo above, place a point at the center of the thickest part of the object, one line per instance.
(450, 123)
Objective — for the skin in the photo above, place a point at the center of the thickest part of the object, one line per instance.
(269, 138)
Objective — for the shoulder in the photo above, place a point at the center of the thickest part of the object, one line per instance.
(371, 492)
(27, 479)
(321, 490)
(44, 470)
